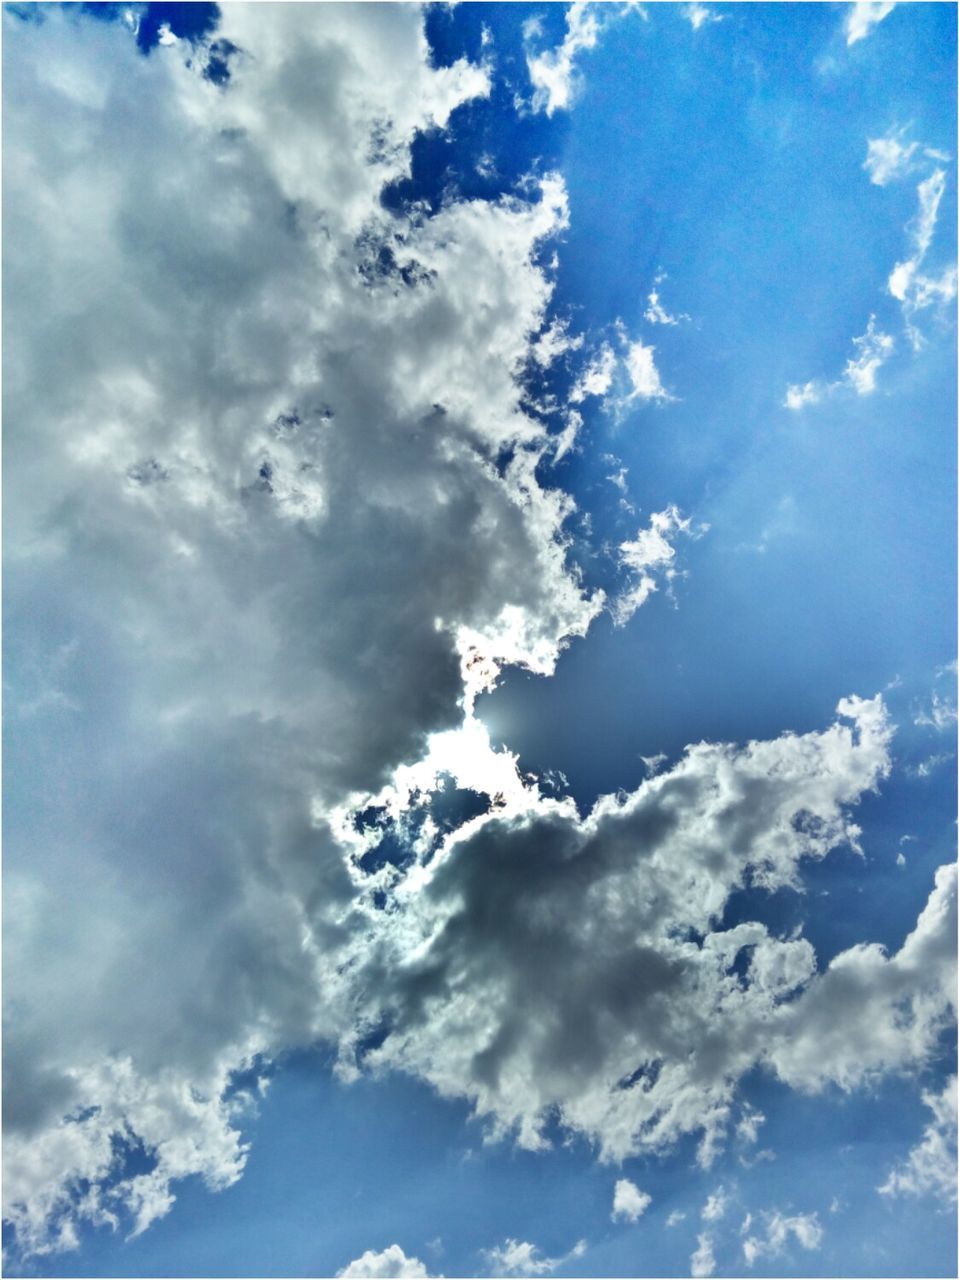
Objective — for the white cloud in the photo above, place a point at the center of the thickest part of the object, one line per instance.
(466, 965)
(873, 348)
(915, 290)
(697, 14)
(391, 1262)
(519, 1258)
(863, 16)
(552, 73)
(715, 1205)
(597, 378)
(930, 1168)
(889, 158)
(629, 1203)
(703, 1261)
(655, 312)
(643, 374)
(649, 555)
(675, 1218)
(803, 1227)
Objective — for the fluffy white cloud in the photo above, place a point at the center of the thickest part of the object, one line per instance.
(552, 73)
(597, 378)
(715, 1205)
(703, 1260)
(890, 158)
(629, 1203)
(863, 16)
(803, 1227)
(643, 374)
(520, 1258)
(930, 1168)
(391, 1262)
(697, 14)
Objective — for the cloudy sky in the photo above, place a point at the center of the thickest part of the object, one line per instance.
(480, 654)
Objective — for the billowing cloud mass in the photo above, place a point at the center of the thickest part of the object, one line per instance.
(930, 1168)
(255, 579)
(863, 16)
(391, 1262)
(629, 1203)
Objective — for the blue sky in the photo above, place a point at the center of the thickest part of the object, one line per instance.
(480, 640)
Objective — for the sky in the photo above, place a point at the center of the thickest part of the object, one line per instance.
(479, 650)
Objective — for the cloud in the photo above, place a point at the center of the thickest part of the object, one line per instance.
(803, 1227)
(890, 158)
(703, 1261)
(697, 14)
(930, 1168)
(643, 374)
(655, 312)
(597, 378)
(629, 1203)
(254, 567)
(649, 554)
(392, 1262)
(715, 1205)
(552, 72)
(544, 964)
(907, 283)
(675, 1218)
(863, 16)
(519, 1258)
(873, 348)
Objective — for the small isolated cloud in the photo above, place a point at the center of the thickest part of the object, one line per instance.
(863, 16)
(930, 1168)
(649, 555)
(643, 373)
(803, 1227)
(872, 349)
(891, 158)
(703, 1261)
(699, 14)
(552, 73)
(392, 1262)
(597, 378)
(655, 312)
(675, 1218)
(715, 1205)
(520, 1258)
(629, 1203)
(748, 1128)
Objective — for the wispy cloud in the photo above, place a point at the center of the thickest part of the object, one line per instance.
(872, 349)
(930, 1168)
(804, 1228)
(864, 16)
